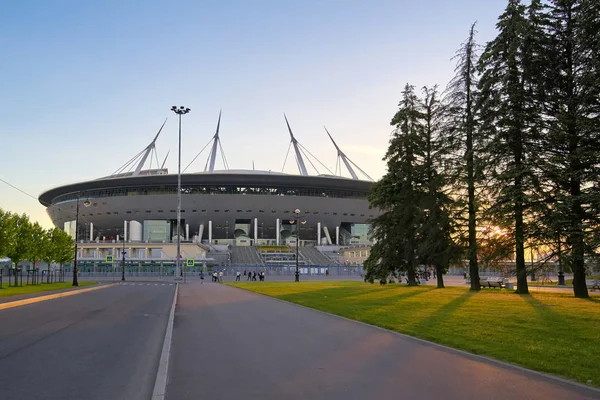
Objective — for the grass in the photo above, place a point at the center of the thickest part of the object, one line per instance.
(548, 332)
(568, 282)
(7, 291)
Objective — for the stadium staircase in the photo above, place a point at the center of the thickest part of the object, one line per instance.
(313, 256)
(245, 255)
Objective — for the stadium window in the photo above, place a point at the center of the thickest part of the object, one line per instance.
(239, 211)
(249, 211)
(273, 211)
(203, 211)
(261, 211)
(227, 210)
(194, 211)
(160, 211)
(352, 215)
(148, 211)
(334, 213)
(172, 211)
(316, 212)
(182, 210)
(108, 213)
(362, 215)
(128, 212)
(216, 210)
(345, 213)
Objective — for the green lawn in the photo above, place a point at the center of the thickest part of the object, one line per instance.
(45, 287)
(568, 282)
(549, 332)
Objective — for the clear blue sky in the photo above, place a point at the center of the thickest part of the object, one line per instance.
(85, 85)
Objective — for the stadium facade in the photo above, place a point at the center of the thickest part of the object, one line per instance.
(135, 210)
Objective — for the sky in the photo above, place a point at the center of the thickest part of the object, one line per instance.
(85, 85)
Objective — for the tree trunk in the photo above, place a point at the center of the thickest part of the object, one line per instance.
(439, 270)
(579, 286)
(410, 273)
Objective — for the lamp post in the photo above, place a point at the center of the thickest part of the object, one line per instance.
(85, 203)
(123, 260)
(179, 111)
(296, 218)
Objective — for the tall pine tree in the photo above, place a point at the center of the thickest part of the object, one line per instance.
(510, 122)
(461, 94)
(437, 247)
(398, 195)
(572, 141)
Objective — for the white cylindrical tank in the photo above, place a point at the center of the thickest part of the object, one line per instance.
(135, 231)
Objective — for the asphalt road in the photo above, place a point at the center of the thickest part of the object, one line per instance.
(233, 344)
(104, 344)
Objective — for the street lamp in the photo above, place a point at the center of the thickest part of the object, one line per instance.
(301, 221)
(87, 204)
(181, 110)
(123, 252)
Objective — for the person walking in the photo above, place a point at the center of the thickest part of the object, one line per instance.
(249, 276)
(221, 276)
(238, 275)
(254, 275)
(201, 277)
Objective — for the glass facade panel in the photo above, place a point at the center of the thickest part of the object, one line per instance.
(156, 230)
(69, 227)
(360, 232)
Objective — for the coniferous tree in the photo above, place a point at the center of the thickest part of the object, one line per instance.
(462, 133)
(398, 195)
(509, 111)
(572, 141)
(436, 247)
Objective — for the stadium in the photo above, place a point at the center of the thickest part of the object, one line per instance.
(228, 217)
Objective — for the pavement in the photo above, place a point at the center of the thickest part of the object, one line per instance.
(233, 344)
(103, 344)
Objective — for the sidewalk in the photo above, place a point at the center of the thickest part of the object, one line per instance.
(234, 344)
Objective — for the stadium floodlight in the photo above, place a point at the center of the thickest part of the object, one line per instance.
(179, 111)
(301, 221)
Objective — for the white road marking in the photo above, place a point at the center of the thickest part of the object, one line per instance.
(160, 384)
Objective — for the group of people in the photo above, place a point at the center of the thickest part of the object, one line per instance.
(251, 275)
(217, 276)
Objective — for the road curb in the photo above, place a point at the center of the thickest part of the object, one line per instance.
(160, 384)
(554, 378)
(19, 303)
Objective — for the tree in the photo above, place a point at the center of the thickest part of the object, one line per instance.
(397, 195)
(572, 140)
(7, 233)
(437, 247)
(23, 239)
(36, 249)
(63, 247)
(462, 128)
(49, 248)
(509, 91)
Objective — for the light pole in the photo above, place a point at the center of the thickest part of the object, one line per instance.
(179, 111)
(123, 262)
(301, 221)
(85, 203)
